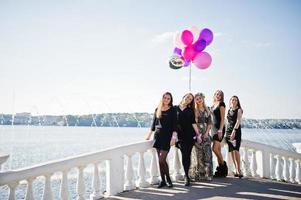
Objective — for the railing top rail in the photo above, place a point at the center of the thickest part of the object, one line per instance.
(72, 161)
(270, 149)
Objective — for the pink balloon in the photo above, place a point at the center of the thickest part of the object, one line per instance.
(202, 60)
(187, 37)
(189, 53)
(178, 41)
(195, 32)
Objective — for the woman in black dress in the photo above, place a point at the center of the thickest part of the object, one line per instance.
(218, 132)
(164, 126)
(187, 131)
(233, 133)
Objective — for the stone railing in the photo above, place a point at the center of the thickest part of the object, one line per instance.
(122, 172)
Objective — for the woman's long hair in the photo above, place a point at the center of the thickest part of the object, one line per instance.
(222, 96)
(159, 108)
(238, 102)
(191, 105)
(204, 104)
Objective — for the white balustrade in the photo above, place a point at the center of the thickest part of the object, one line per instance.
(29, 192)
(285, 169)
(278, 170)
(176, 165)
(141, 172)
(154, 172)
(129, 177)
(292, 170)
(64, 194)
(261, 163)
(47, 195)
(96, 184)
(272, 166)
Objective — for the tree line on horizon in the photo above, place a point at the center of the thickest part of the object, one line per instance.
(125, 120)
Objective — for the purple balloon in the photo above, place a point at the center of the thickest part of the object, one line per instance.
(207, 35)
(187, 63)
(177, 51)
(199, 45)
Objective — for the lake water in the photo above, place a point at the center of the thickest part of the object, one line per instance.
(29, 145)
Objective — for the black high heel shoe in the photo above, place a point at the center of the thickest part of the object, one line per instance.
(162, 184)
(169, 183)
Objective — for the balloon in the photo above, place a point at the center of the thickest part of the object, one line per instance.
(186, 64)
(195, 32)
(207, 35)
(200, 45)
(202, 60)
(178, 41)
(176, 62)
(189, 53)
(187, 37)
(177, 51)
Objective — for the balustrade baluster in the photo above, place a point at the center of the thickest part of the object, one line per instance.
(12, 190)
(154, 172)
(253, 163)
(298, 180)
(64, 194)
(141, 172)
(285, 169)
(129, 178)
(278, 168)
(176, 165)
(80, 184)
(292, 170)
(47, 189)
(29, 192)
(272, 167)
(96, 184)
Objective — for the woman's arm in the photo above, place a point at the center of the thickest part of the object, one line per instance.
(237, 124)
(221, 126)
(152, 127)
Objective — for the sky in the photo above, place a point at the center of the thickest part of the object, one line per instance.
(80, 57)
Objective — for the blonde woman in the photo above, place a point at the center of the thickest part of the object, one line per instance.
(202, 168)
(233, 133)
(187, 131)
(164, 126)
(218, 132)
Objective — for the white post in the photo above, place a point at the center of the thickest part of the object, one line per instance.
(29, 192)
(47, 188)
(278, 168)
(292, 170)
(246, 163)
(265, 163)
(176, 165)
(254, 163)
(154, 172)
(115, 175)
(64, 194)
(96, 184)
(272, 166)
(80, 184)
(129, 178)
(298, 180)
(12, 190)
(285, 169)
(230, 162)
(141, 172)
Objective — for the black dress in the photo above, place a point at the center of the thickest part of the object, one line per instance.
(185, 129)
(163, 127)
(216, 119)
(232, 118)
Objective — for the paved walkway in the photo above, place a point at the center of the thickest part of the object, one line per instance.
(222, 188)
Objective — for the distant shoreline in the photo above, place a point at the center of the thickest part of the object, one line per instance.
(125, 120)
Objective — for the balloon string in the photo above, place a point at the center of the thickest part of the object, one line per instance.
(189, 77)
